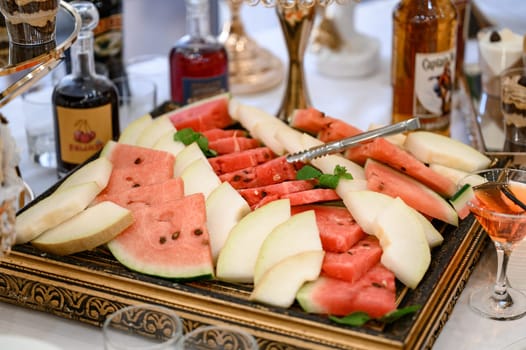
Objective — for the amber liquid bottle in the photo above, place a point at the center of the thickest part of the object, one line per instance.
(85, 104)
(198, 61)
(423, 62)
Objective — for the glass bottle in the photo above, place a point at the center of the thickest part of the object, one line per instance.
(423, 62)
(85, 104)
(198, 61)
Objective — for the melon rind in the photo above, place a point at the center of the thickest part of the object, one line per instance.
(97, 170)
(131, 133)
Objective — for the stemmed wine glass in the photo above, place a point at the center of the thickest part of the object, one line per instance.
(499, 205)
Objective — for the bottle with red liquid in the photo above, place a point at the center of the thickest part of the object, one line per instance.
(198, 61)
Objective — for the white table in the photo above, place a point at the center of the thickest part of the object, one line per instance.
(360, 102)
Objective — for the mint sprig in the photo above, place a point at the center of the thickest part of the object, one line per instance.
(359, 318)
(188, 136)
(308, 172)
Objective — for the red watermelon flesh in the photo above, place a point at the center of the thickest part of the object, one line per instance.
(327, 213)
(315, 195)
(149, 195)
(124, 179)
(374, 294)
(203, 115)
(350, 266)
(216, 134)
(167, 240)
(384, 151)
(256, 194)
(384, 179)
(244, 159)
(337, 129)
(338, 230)
(274, 171)
(309, 119)
(337, 238)
(130, 156)
(233, 144)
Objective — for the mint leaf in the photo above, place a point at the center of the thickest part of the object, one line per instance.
(188, 136)
(355, 319)
(308, 172)
(399, 313)
(341, 172)
(359, 318)
(328, 181)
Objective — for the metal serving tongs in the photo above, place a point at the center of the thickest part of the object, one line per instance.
(340, 145)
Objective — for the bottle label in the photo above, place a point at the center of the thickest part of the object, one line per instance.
(83, 132)
(198, 88)
(434, 74)
(108, 36)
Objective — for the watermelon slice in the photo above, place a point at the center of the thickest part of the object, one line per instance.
(244, 159)
(384, 179)
(337, 129)
(233, 144)
(274, 171)
(216, 134)
(123, 156)
(210, 113)
(255, 195)
(350, 266)
(140, 197)
(384, 151)
(374, 294)
(167, 240)
(316, 195)
(338, 230)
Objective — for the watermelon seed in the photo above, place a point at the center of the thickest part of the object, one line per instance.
(377, 285)
(198, 232)
(350, 253)
(138, 161)
(236, 178)
(162, 240)
(136, 185)
(175, 235)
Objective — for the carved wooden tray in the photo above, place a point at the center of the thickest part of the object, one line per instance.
(88, 286)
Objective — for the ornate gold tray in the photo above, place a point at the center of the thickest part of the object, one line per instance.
(88, 286)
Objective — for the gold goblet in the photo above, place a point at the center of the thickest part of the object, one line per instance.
(252, 68)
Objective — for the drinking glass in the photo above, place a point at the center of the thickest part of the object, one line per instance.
(217, 338)
(499, 205)
(142, 327)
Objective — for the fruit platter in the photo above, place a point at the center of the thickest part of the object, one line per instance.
(199, 209)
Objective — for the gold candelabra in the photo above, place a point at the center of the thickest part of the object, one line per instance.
(296, 18)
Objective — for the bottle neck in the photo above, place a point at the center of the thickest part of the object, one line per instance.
(197, 18)
(82, 58)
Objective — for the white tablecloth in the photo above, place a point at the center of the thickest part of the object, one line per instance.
(361, 102)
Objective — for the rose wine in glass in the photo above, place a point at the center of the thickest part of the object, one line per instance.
(499, 205)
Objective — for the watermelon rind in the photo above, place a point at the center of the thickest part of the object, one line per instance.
(184, 109)
(460, 200)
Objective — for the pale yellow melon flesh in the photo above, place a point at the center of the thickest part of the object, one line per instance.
(53, 210)
(89, 229)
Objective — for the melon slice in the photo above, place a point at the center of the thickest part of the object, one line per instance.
(198, 177)
(237, 259)
(221, 218)
(405, 248)
(290, 139)
(167, 143)
(186, 157)
(97, 170)
(278, 286)
(435, 148)
(298, 234)
(455, 175)
(153, 131)
(384, 179)
(53, 210)
(168, 240)
(87, 230)
(131, 133)
(205, 114)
